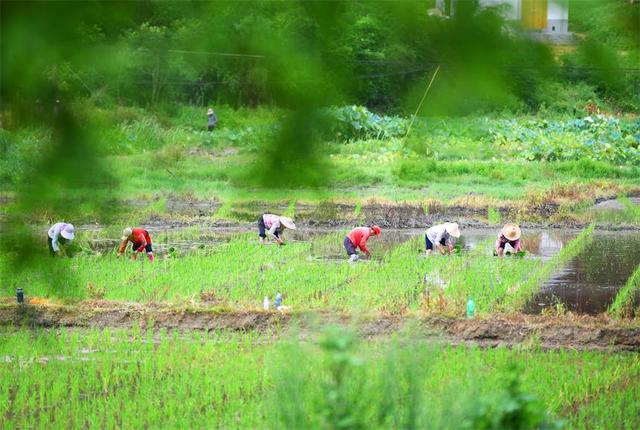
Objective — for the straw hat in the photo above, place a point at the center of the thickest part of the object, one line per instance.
(511, 231)
(287, 222)
(452, 229)
(210, 111)
(126, 233)
(67, 232)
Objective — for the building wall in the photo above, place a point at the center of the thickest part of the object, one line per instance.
(558, 16)
(557, 12)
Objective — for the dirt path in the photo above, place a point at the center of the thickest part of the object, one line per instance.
(584, 333)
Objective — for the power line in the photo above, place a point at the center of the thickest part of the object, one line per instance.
(218, 54)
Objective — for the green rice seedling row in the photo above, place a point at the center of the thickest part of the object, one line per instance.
(625, 302)
(135, 378)
(310, 275)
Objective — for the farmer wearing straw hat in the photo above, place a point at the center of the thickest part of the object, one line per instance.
(212, 119)
(59, 234)
(510, 234)
(442, 235)
(140, 240)
(357, 238)
(274, 225)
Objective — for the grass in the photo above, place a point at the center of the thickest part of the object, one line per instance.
(61, 378)
(154, 158)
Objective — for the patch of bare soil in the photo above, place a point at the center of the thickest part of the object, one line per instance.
(583, 333)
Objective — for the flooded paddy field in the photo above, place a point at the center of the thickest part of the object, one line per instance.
(586, 283)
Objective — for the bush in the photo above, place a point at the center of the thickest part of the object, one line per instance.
(357, 122)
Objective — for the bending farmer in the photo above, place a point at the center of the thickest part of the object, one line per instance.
(442, 235)
(59, 234)
(357, 238)
(140, 240)
(510, 234)
(274, 225)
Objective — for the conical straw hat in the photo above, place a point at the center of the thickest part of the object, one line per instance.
(452, 229)
(511, 231)
(287, 222)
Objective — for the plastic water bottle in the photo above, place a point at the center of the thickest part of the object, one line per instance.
(278, 302)
(20, 295)
(265, 303)
(471, 308)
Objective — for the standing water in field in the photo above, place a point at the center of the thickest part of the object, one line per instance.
(590, 282)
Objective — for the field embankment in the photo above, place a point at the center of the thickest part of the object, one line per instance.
(583, 333)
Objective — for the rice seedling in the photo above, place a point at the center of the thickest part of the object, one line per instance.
(61, 378)
(312, 274)
(528, 289)
(625, 304)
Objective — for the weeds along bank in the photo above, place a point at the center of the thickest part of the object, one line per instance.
(134, 378)
(152, 155)
(239, 273)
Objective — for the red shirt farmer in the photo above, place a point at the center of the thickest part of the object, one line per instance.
(357, 238)
(139, 239)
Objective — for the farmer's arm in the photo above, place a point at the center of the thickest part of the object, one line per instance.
(54, 242)
(438, 241)
(363, 246)
(517, 247)
(272, 231)
(122, 247)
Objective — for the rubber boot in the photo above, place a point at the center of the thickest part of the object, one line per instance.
(353, 258)
(150, 255)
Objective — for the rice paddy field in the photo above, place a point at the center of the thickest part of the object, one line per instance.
(60, 378)
(288, 376)
(310, 275)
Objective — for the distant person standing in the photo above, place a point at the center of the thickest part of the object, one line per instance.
(59, 234)
(140, 241)
(510, 234)
(440, 236)
(212, 119)
(357, 238)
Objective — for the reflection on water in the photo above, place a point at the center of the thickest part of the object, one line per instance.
(537, 243)
(590, 282)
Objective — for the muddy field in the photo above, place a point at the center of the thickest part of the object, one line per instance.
(584, 333)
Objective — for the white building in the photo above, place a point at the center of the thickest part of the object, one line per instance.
(548, 17)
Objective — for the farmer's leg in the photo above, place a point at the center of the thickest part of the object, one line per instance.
(49, 242)
(351, 249)
(499, 248)
(261, 229)
(428, 244)
(149, 251)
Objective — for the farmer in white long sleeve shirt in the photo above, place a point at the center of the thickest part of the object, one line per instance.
(440, 236)
(59, 233)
